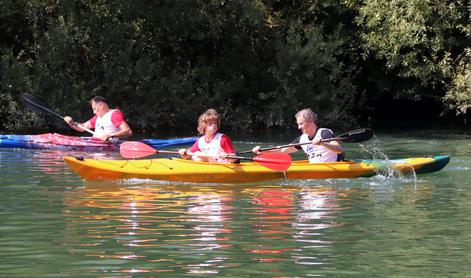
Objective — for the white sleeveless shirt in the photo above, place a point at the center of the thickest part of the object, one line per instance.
(317, 153)
(212, 147)
(104, 125)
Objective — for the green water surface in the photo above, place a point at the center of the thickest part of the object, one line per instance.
(53, 224)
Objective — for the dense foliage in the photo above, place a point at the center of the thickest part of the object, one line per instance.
(257, 62)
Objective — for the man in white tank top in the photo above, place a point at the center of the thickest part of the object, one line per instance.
(318, 151)
(107, 123)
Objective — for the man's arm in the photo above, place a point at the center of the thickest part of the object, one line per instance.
(123, 132)
(332, 145)
(76, 126)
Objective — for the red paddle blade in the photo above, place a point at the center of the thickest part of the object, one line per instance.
(132, 149)
(274, 161)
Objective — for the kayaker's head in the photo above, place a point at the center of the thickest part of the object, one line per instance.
(99, 105)
(209, 122)
(307, 121)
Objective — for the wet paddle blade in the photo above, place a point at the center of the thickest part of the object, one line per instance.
(36, 105)
(274, 161)
(132, 149)
(355, 136)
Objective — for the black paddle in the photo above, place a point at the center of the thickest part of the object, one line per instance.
(354, 136)
(38, 106)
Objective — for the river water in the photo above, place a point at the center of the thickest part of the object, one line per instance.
(54, 224)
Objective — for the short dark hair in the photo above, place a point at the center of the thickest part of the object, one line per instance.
(99, 99)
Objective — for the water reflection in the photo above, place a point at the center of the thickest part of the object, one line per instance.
(200, 229)
(272, 224)
(318, 213)
(379, 226)
(281, 228)
(146, 219)
(209, 214)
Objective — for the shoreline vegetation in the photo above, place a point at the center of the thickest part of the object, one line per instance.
(359, 63)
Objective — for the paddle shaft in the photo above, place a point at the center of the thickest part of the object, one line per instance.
(295, 145)
(73, 123)
(83, 127)
(205, 155)
(354, 136)
(278, 162)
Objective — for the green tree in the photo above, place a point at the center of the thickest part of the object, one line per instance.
(425, 43)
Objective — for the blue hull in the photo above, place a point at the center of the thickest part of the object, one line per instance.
(163, 143)
(62, 142)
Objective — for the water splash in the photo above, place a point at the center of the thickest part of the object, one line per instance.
(386, 169)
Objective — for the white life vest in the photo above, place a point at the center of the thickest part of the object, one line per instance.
(317, 153)
(104, 125)
(212, 147)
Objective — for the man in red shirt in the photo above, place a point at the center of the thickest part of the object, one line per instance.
(108, 123)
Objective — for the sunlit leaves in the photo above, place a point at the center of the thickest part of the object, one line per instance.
(420, 39)
(459, 93)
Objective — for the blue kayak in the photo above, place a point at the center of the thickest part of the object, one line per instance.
(163, 143)
(57, 141)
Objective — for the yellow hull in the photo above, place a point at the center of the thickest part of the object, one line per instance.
(180, 170)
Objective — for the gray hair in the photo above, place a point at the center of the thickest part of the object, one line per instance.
(307, 114)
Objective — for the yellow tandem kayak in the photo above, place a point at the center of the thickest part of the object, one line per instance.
(180, 170)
